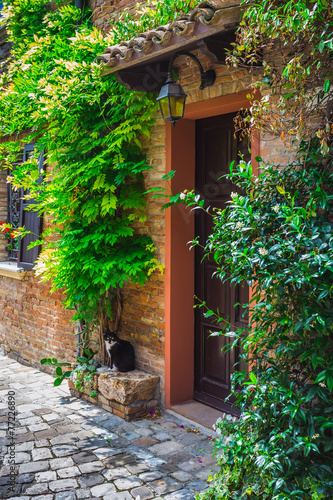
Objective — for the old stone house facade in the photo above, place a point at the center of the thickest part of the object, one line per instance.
(170, 337)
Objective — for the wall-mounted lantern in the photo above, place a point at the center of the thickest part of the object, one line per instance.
(172, 97)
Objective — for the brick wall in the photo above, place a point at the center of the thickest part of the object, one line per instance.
(33, 323)
(105, 10)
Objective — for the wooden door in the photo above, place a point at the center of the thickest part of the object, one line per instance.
(216, 147)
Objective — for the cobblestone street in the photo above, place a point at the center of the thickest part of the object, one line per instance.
(66, 448)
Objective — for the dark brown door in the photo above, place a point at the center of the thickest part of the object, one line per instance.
(216, 147)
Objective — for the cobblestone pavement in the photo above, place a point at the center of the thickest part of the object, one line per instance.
(66, 448)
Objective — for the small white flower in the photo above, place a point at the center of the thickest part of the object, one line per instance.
(276, 208)
(233, 195)
(182, 196)
(263, 251)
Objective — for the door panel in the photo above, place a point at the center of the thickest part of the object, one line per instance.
(216, 147)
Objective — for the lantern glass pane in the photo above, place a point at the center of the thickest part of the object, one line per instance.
(164, 105)
(177, 106)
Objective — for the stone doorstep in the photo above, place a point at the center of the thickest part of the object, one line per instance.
(127, 395)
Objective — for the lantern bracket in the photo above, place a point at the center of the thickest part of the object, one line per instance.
(207, 77)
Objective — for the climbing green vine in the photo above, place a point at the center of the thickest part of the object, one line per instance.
(92, 196)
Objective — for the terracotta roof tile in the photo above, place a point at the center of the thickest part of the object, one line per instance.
(209, 13)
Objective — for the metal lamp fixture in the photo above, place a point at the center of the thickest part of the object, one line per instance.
(172, 97)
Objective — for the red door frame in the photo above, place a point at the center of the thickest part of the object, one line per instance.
(179, 262)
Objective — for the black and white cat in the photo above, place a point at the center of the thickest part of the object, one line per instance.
(121, 352)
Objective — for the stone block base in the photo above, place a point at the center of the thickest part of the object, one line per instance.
(127, 395)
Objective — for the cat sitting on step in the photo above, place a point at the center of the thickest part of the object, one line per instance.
(121, 352)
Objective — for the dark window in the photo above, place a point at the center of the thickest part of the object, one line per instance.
(19, 215)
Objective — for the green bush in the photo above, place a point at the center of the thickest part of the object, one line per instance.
(278, 237)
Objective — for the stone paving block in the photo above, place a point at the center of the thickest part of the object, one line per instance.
(142, 492)
(65, 495)
(20, 458)
(49, 433)
(42, 443)
(191, 465)
(4, 471)
(78, 419)
(21, 430)
(196, 485)
(38, 427)
(60, 463)
(41, 454)
(83, 457)
(127, 483)
(182, 456)
(147, 477)
(180, 495)
(83, 493)
(102, 453)
(120, 443)
(49, 417)
(138, 468)
(42, 411)
(33, 420)
(167, 468)
(25, 446)
(145, 441)
(155, 462)
(144, 431)
(123, 495)
(102, 489)
(4, 480)
(42, 497)
(84, 434)
(165, 485)
(23, 416)
(64, 450)
(162, 436)
(64, 438)
(21, 498)
(116, 473)
(91, 467)
(165, 448)
(63, 485)
(120, 460)
(205, 473)
(37, 489)
(182, 476)
(34, 467)
(24, 478)
(68, 472)
(131, 435)
(91, 443)
(144, 455)
(88, 480)
(190, 438)
(49, 475)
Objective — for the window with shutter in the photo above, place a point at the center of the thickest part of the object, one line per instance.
(18, 214)
(30, 220)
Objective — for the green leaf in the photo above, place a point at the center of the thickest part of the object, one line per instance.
(59, 370)
(280, 190)
(327, 85)
(57, 381)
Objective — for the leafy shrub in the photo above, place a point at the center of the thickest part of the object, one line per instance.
(278, 237)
